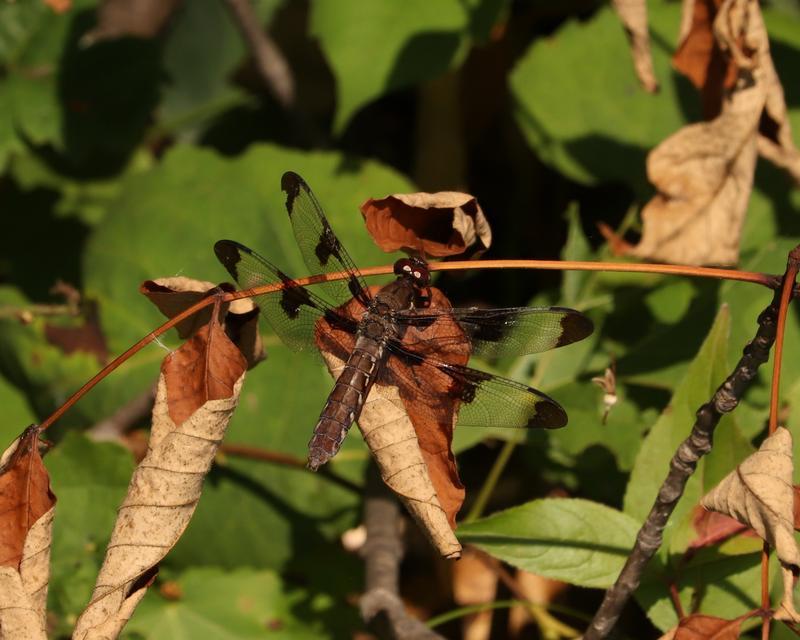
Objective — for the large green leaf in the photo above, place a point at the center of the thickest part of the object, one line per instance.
(574, 540)
(581, 108)
(17, 413)
(218, 605)
(89, 480)
(198, 76)
(378, 47)
(708, 370)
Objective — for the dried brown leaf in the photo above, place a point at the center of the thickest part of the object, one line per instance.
(701, 627)
(25, 495)
(633, 14)
(704, 172)
(161, 499)
(411, 449)
(176, 294)
(759, 493)
(206, 367)
(700, 58)
(440, 224)
(26, 516)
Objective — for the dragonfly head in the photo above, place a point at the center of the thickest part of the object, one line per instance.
(415, 269)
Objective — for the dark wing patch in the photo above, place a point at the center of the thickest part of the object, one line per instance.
(293, 311)
(482, 399)
(497, 333)
(321, 249)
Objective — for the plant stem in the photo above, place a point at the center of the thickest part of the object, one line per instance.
(491, 481)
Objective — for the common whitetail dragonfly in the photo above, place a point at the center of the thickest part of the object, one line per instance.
(395, 337)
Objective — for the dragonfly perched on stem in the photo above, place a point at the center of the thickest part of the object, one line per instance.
(394, 336)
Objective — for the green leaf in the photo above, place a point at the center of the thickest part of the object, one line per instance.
(375, 48)
(622, 433)
(705, 374)
(577, 248)
(199, 76)
(17, 413)
(90, 480)
(574, 540)
(237, 605)
(593, 122)
(723, 582)
(166, 221)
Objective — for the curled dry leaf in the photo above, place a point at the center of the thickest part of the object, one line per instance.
(786, 610)
(700, 57)
(440, 224)
(701, 627)
(197, 392)
(26, 517)
(633, 14)
(704, 172)
(173, 295)
(409, 437)
(759, 493)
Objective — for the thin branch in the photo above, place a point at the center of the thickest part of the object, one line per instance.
(115, 425)
(767, 280)
(285, 459)
(270, 61)
(682, 466)
(381, 606)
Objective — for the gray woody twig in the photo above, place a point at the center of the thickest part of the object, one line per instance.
(271, 63)
(381, 606)
(681, 468)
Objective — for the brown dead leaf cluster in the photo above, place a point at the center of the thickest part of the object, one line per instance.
(440, 224)
(704, 172)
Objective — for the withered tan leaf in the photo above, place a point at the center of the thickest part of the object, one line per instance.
(633, 14)
(174, 295)
(420, 469)
(786, 610)
(759, 493)
(704, 172)
(391, 438)
(701, 627)
(440, 224)
(26, 515)
(166, 486)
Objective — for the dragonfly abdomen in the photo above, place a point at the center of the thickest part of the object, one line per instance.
(345, 401)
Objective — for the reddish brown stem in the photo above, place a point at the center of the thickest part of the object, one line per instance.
(666, 269)
(285, 459)
(787, 287)
(792, 267)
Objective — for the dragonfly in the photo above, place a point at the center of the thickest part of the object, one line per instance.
(393, 335)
